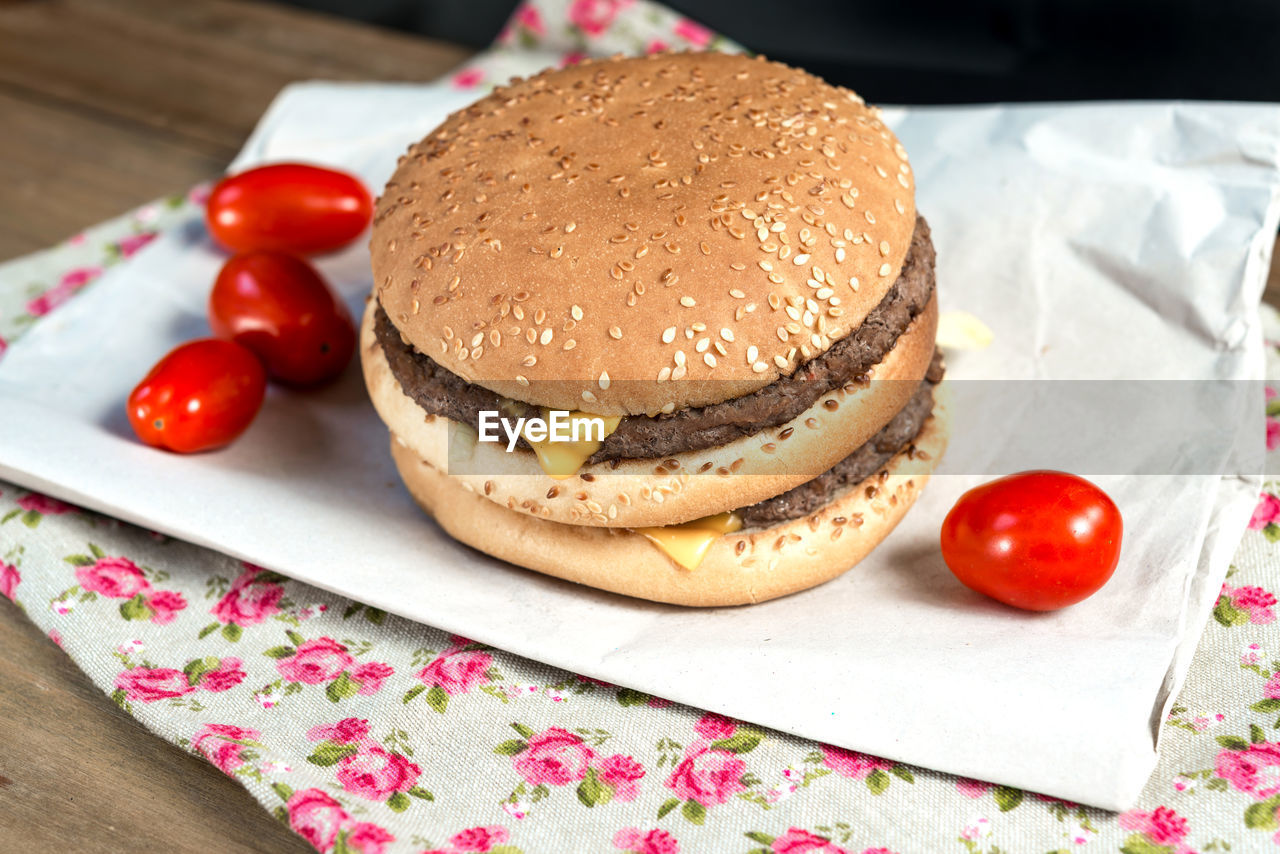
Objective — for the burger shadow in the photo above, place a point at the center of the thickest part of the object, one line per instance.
(920, 574)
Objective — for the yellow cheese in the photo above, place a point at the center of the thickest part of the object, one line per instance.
(960, 330)
(687, 543)
(562, 460)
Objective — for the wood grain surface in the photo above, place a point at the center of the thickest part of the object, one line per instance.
(105, 105)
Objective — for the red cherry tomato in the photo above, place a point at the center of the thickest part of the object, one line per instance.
(199, 397)
(290, 207)
(280, 308)
(1038, 540)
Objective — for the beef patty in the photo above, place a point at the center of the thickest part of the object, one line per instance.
(868, 459)
(440, 392)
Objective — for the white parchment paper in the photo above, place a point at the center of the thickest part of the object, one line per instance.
(1097, 241)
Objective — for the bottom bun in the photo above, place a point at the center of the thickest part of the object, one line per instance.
(738, 569)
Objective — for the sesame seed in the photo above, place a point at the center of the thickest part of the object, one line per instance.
(823, 293)
(765, 265)
(588, 397)
(782, 333)
(853, 282)
(840, 255)
(667, 409)
(679, 372)
(569, 345)
(689, 302)
(780, 361)
(679, 358)
(523, 380)
(477, 339)
(702, 345)
(547, 335)
(759, 367)
(576, 312)
(604, 379)
(753, 353)
(529, 361)
(664, 374)
(726, 333)
(885, 269)
(709, 359)
(884, 247)
(668, 335)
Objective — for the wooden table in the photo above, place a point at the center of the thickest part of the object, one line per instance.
(103, 106)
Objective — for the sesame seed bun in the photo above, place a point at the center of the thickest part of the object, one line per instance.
(738, 569)
(633, 236)
(671, 490)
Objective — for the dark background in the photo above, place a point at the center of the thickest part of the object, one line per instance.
(934, 51)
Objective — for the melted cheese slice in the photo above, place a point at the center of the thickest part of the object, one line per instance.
(687, 543)
(960, 330)
(561, 460)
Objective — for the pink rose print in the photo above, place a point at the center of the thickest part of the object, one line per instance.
(164, 605)
(315, 661)
(131, 245)
(556, 757)
(714, 727)
(55, 636)
(66, 288)
(223, 744)
(377, 774)
(528, 17)
(468, 78)
(1255, 770)
(850, 763)
(1162, 826)
(366, 838)
(250, 600)
(1266, 513)
(657, 46)
(693, 32)
(707, 776)
(316, 817)
(1239, 605)
(44, 505)
(635, 841)
(622, 774)
(972, 788)
(371, 676)
(457, 671)
(479, 839)
(572, 58)
(1272, 689)
(115, 577)
(345, 731)
(593, 17)
(9, 579)
(225, 676)
(799, 841)
(149, 684)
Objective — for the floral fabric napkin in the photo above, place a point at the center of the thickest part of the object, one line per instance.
(367, 733)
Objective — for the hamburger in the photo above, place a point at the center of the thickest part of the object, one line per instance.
(711, 262)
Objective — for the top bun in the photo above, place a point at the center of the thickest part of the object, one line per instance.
(633, 236)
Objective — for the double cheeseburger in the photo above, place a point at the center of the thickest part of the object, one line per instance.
(716, 258)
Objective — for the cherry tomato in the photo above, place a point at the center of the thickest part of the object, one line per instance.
(290, 207)
(199, 397)
(280, 308)
(1038, 540)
